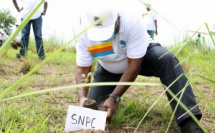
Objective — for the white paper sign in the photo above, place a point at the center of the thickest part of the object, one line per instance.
(79, 118)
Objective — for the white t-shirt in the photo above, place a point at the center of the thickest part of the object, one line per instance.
(3, 35)
(28, 7)
(131, 41)
(18, 36)
(150, 18)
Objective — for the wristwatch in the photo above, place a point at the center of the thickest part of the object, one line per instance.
(115, 97)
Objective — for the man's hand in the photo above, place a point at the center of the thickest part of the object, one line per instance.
(81, 101)
(109, 106)
(20, 9)
(43, 14)
(156, 32)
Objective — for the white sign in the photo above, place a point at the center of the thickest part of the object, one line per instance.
(80, 118)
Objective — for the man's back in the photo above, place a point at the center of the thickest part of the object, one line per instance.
(150, 18)
(3, 35)
(198, 41)
(131, 41)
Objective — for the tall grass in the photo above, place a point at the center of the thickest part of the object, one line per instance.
(37, 98)
(128, 115)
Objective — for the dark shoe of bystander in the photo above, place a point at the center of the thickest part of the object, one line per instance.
(18, 56)
(42, 58)
(14, 45)
(190, 126)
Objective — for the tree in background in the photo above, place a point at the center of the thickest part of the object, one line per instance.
(6, 21)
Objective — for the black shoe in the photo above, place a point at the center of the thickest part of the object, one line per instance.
(14, 46)
(190, 126)
(42, 58)
(18, 56)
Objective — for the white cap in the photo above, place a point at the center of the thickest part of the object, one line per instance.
(105, 28)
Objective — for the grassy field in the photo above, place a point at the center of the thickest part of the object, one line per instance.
(46, 112)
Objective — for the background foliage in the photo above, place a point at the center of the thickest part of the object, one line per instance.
(6, 21)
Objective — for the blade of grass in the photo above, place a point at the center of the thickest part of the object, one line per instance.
(44, 122)
(48, 57)
(187, 110)
(10, 126)
(22, 25)
(182, 92)
(187, 41)
(157, 101)
(204, 97)
(182, 46)
(210, 33)
(175, 95)
(79, 85)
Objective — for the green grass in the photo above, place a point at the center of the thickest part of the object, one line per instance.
(46, 112)
(144, 108)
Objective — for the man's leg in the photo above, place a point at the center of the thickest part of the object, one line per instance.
(25, 39)
(1, 43)
(18, 42)
(37, 27)
(151, 33)
(102, 92)
(161, 63)
(14, 45)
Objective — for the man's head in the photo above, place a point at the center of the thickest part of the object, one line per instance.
(148, 7)
(199, 35)
(1, 31)
(105, 28)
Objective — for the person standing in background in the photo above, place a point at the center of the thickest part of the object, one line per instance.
(198, 42)
(151, 21)
(36, 21)
(1, 39)
(3, 36)
(213, 29)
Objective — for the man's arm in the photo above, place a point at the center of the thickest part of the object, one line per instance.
(45, 8)
(1, 36)
(16, 5)
(156, 27)
(129, 75)
(82, 91)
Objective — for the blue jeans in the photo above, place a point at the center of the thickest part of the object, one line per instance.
(165, 68)
(1, 43)
(37, 28)
(151, 33)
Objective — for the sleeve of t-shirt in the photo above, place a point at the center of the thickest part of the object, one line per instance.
(83, 56)
(138, 39)
(154, 16)
(1, 37)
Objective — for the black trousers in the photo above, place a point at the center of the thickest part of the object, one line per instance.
(157, 62)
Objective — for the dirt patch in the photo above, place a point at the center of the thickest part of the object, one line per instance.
(55, 104)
